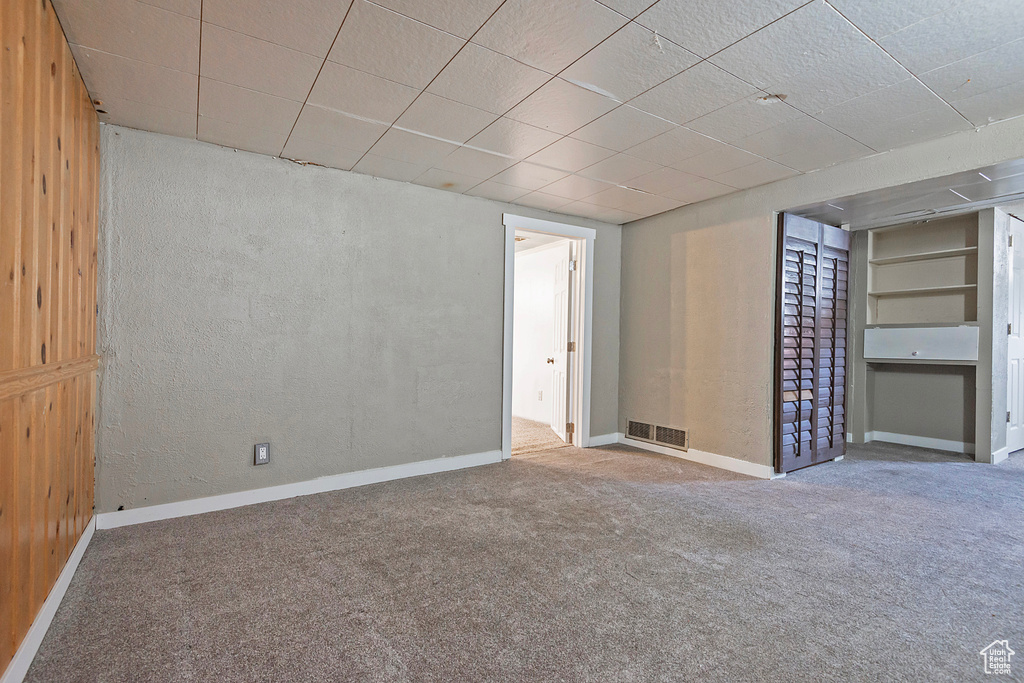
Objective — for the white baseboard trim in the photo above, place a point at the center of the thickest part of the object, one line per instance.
(1000, 455)
(334, 482)
(723, 462)
(920, 441)
(604, 440)
(22, 660)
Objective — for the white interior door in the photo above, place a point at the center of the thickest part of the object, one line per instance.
(1015, 349)
(560, 344)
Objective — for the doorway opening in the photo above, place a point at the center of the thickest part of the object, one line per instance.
(546, 378)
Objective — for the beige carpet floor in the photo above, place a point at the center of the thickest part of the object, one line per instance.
(532, 437)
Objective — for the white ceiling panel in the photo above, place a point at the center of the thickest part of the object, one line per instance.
(745, 118)
(241, 136)
(392, 169)
(497, 191)
(599, 213)
(628, 8)
(619, 169)
(411, 148)
(190, 8)
(993, 105)
(758, 173)
(576, 187)
(900, 114)
(631, 61)
(970, 80)
(548, 35)
(720, 159)
(672, 147)
(561, 107)
(305, 25)
(697, 91)
(459, 17)
(147, 117)
(255, 64)
(707, 26)
(473, 162)
(512, 138)
(392, 46)
(633, 201)
(232, 104)
(542, 200)
(360, 94)
(804, 144)
(336, 129)
(569, 154)
(111, 77)
(879, 18)
(529, 176)
(957, 33)
(440, 179)
(132, 29)
(699, 190)
(317, 152)
(486, 80)
(663, 181)
(622, 128)
(443, 118)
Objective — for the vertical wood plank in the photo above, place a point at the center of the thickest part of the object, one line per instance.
(12, 59)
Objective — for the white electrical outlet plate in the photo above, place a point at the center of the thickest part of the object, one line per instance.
(261, 454)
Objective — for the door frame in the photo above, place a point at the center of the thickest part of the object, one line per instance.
(582, 359)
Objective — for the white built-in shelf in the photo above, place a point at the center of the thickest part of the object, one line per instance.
(924, 256)
(945, 289)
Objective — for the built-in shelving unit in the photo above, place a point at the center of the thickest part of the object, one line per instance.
(925, 273)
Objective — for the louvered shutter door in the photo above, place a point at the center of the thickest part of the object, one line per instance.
(813, 272)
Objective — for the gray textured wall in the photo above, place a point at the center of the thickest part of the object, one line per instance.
(352, 322)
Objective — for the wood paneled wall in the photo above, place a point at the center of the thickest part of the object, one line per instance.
(49, 177)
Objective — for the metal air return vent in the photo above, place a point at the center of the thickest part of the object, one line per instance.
(674, 438)
(640, 430)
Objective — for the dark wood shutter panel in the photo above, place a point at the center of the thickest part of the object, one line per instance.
(813, 275)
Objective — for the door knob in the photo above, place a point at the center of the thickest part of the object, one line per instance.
(551, 360)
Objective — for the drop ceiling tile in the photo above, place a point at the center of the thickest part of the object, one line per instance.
(993, 105)
(622, 128)
(486, 80)
(392, 46)
(305, 25)
(336, 129)
(744, 118)
(707, 26)
(473, 162)
(447, 119)
(134, 30)
(804, 144)
(529, 176)
(896, 116)
(190, 8)
(497, 191)
(699, 190)
(542, 200)
(721, 159)
(570, 155)
(548, 35)
(576, 187)
(561, 107)
(232, 104)
(631, 61)
(619, 169)
(969, 79)
(672, 147)
(663, 181)
(757, 173)
(446, 180)
(241, 137)
(111, 77)
(315, 151)
(633, 201)
(879, 18)
(697, 91)
(382, 167)
(460, 17)
(513, 138)
(255, 64)
(148, 117)
(628, 8)
(957, 33)
(360, 94)
(411, 148)
(600, 213)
